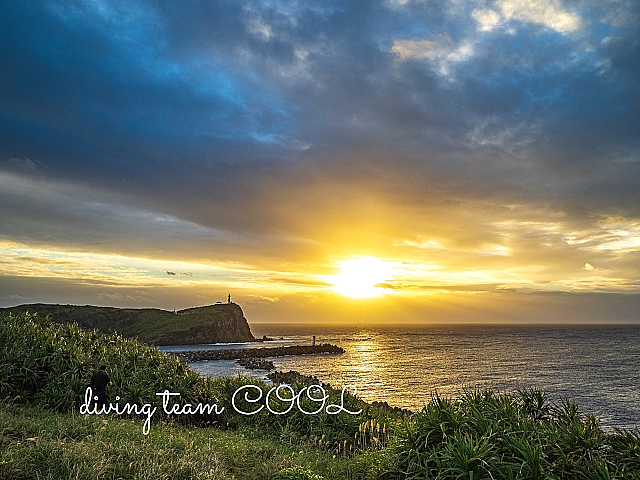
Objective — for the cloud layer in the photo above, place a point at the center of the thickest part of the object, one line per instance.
(494, 143)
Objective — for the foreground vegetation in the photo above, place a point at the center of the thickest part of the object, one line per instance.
(38, 443)
(517, 436)
(45, 367)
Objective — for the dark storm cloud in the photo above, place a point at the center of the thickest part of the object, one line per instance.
(240, 118)
(100, 85)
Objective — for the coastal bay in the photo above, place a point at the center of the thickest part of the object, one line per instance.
(594, 365)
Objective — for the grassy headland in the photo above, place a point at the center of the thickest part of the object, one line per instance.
(45, 367)
(145, 324)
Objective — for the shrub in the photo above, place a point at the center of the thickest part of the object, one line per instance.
(51, 364)
(519, 435)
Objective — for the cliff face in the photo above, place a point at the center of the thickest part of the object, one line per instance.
(219, 323)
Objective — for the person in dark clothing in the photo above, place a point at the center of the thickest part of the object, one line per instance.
(99, 382)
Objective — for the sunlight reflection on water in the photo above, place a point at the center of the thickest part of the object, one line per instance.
(597, 366)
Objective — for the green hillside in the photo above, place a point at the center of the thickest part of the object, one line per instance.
(145, 324)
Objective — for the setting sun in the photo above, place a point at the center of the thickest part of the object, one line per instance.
(361, 277)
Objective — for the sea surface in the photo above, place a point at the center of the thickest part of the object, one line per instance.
(598, 366)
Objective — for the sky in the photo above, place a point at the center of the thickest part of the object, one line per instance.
(390, 161)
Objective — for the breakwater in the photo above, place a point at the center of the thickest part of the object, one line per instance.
(240, 353)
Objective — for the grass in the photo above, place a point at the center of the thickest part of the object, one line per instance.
(38, 443)
(45, 366)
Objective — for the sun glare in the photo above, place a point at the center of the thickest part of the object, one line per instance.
(361, 277)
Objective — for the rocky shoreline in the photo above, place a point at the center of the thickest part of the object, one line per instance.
(292, 377)
(253, 358)
(242, 353)
(256, 363)
(400, 412)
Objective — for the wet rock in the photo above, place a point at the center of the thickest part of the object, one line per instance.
(256, 363)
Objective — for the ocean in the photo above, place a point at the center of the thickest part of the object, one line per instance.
(597, 366)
